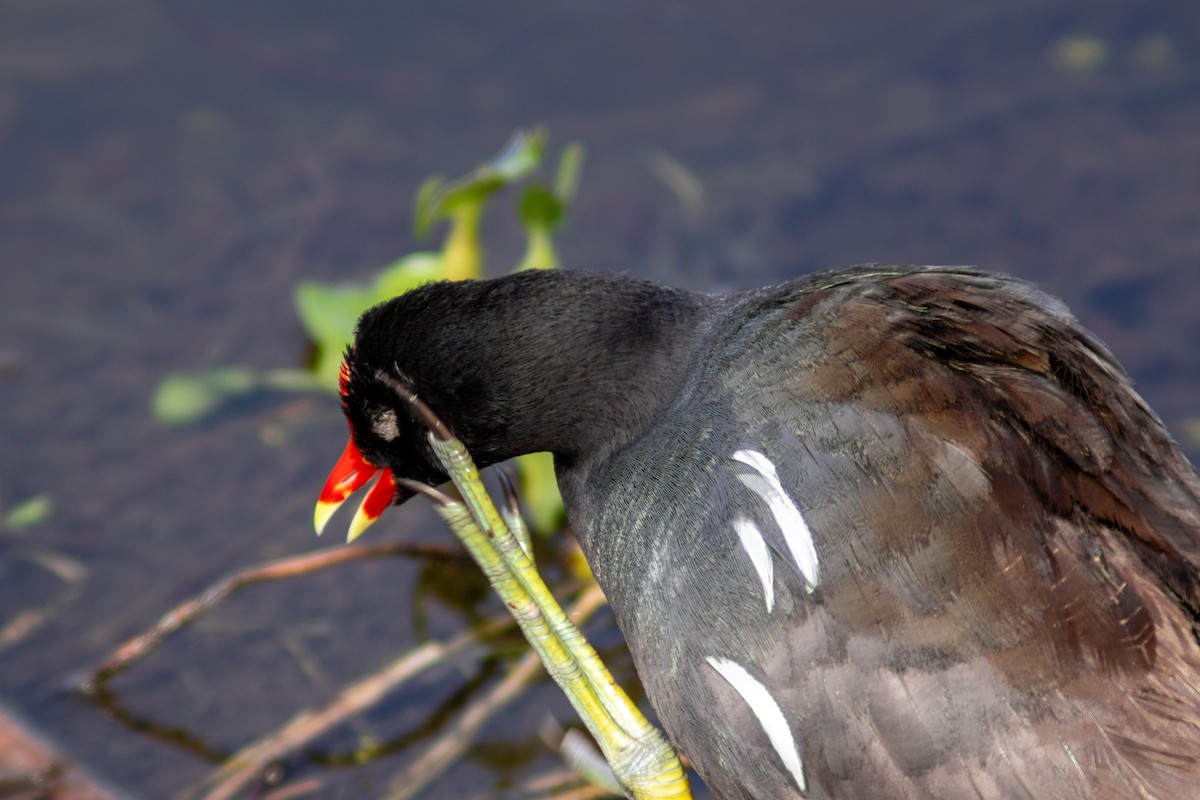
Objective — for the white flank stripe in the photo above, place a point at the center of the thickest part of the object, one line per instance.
(787, 514)
(756, 547)
(769, 715)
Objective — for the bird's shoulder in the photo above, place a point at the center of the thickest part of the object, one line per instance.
(969, 427)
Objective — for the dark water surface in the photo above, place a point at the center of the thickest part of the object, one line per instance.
(169, 170)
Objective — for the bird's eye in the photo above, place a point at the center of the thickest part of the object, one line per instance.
(384, 425)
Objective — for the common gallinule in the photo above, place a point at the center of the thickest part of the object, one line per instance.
(876, 532)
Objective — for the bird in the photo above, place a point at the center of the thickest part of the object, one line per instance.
(878, 531)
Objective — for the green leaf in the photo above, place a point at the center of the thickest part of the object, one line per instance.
(436, 199)
(29, 512)
(570, 165)
(425, 207)
(539, 493)
(405, 274)
(187, 397)
(541, 208)
(329, 312)
(519, 157)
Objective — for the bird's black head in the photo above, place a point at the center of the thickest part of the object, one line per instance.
(536, 361)
(376, 400)
(427, 343)
(404, 348)
(385, 439)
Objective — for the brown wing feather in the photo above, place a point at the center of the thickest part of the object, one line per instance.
(1065, 541)
(1008, 375)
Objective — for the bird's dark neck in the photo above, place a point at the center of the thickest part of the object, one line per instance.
(566, 362)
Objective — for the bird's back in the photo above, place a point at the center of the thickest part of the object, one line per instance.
(910, 533)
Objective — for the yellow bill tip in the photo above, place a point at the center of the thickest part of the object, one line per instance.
(322, 513)
(359, 524)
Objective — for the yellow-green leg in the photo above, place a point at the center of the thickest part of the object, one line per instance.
(640, 756)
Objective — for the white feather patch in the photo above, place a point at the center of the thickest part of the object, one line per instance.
(767, 711)
(787, 514)
(760, 556)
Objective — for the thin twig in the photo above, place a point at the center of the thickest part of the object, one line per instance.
(133, 650)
